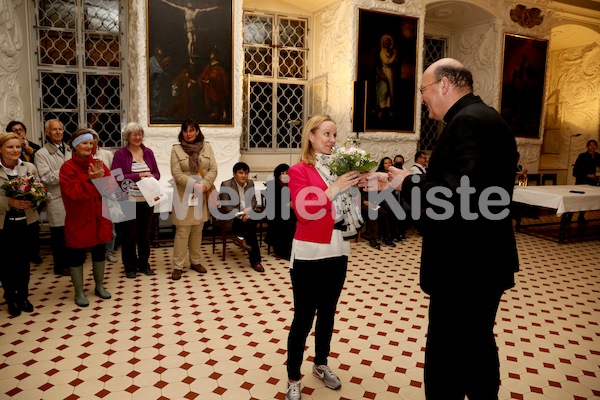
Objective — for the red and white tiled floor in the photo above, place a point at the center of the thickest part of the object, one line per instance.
(223, 335)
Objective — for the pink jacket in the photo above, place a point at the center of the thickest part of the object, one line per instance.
(312, 207)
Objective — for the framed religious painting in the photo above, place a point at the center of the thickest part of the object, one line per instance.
(190, 61)
(523, 77)
(386, 65)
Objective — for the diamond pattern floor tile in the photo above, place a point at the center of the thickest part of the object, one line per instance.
(223, 335)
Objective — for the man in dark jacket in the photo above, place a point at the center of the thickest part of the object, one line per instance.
(469, 255)
(585, 169)
(587, 164)
(234, 200)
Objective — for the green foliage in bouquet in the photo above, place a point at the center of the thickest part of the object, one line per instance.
(350, 157)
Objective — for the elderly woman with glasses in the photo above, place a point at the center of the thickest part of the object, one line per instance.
(85, 225)
(136, 162)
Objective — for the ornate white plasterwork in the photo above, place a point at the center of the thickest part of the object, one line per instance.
(335, 47)
(579, 81)
(136, 22)
(477, 51)
(11, 45)
(539, 31)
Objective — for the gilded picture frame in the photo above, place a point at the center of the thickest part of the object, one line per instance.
(190, 61)
(386, 65)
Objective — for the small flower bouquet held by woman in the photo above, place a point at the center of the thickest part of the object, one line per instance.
(26, 188)
(350, 157)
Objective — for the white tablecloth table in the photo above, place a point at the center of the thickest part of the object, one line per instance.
(565, 199)
(559, 197)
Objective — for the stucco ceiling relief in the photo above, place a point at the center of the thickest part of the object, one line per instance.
(526, 17)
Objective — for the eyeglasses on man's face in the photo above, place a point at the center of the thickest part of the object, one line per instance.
(422, 88)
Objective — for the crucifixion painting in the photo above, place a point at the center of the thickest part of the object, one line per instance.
(190, 14)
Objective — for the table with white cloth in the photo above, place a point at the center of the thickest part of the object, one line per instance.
(565, 199)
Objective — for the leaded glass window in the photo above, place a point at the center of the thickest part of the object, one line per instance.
(435, 49)
(79, 65)
(275, 85)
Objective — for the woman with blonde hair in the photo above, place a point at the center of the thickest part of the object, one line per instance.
(17, 227)
(327, 216)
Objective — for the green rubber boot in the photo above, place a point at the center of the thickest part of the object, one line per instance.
(99, 279)
(77, 279)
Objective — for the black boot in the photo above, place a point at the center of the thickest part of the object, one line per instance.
(389, 242)
(373, 243)
(26, 306)
(13, 308)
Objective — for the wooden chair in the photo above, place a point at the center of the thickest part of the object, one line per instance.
(549, 178)
(219, 229)
(162, 231)
(534, 179)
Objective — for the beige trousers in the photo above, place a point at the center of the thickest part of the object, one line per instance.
(187, 243)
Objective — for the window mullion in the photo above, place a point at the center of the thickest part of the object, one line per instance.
(276, 46)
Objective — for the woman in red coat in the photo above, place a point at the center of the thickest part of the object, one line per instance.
(85, 227)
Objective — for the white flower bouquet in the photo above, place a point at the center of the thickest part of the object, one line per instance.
(350, 157)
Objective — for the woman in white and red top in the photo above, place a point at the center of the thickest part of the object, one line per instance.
(327, 214)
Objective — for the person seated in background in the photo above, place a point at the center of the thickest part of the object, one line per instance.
(378, 226)
(585, 169)
(399, 161)
(282, 227)
(420, 165)
(28, 150)
(244, 228)
(587, 164)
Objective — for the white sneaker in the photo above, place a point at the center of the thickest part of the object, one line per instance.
(324, 373)
(111, 257)
(293, 391)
